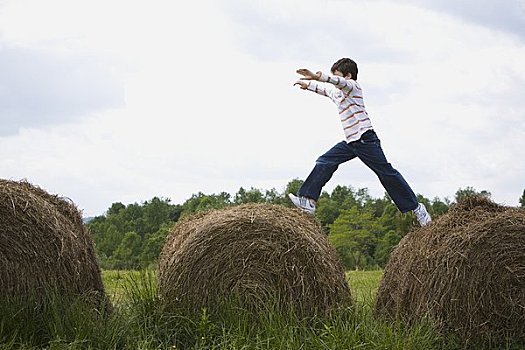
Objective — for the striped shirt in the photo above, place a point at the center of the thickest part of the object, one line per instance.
(348, 97)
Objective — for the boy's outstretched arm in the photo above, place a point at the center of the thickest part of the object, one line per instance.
(301, 84)
(308, 75)
(339, 82)
(311, 84)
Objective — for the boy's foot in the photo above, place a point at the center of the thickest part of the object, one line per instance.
(423, 217)
(304, 203)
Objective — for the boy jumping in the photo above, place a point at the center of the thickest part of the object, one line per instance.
(361, 141)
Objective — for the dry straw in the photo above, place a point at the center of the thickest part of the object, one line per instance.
(466, 271)
(44, 245)
(254, 254)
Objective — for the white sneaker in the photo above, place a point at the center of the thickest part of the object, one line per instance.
(304, 203)
(423, 217)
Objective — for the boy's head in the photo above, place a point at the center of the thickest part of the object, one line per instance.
(346, 66)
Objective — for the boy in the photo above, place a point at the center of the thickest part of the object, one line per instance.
(361, 141)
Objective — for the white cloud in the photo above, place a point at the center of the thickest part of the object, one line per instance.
(507, 16)
(56, 89)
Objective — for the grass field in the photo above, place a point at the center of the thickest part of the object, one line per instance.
(350, 329)
(137, 322)
(362, 283)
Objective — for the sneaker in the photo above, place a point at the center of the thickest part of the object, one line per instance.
(304, 203)
(423, 217)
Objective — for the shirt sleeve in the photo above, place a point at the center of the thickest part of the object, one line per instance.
(321, 89)
(339, 82)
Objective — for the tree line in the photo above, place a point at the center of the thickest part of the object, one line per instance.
(363, 229)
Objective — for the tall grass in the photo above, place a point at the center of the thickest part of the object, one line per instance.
(139, 322)
(58, 321)
(235, 328)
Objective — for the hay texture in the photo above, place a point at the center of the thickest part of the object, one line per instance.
(44, 245)
(255, 254)
(466, 270)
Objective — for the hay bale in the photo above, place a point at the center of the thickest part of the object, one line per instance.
(466, 271)
(44, 246)
(255, 254)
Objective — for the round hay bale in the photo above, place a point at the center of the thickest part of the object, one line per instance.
(256, 255)
(466, 271)
(44, 246)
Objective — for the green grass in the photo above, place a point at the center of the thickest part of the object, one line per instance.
(138, 322)
(117, 281)
(363, 285)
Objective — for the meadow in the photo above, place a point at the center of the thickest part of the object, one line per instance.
(138, 322)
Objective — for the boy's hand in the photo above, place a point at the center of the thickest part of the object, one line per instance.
(301, 84)
(308, 75)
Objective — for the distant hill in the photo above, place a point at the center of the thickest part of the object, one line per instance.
(88, 219)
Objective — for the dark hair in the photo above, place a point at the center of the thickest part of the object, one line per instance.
(345, 66)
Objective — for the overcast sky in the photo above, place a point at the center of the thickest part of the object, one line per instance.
(107, 101)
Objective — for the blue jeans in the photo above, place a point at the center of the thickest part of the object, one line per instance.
(368, 149)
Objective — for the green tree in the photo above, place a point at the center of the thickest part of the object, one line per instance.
(152, 246)
(522, 200)
(364, 229)
(109, 240)
(469, 191)
(293, 186)
(363, 197)
(201, 201)
(378, 205)
(393, 220)
(155, 213)
(145, 219)
(274, 197)
(384, 247)
(253, 195)
(327, 210)
(354, 234)
(115, 208)
(344, 196)
(329, 206)
(439, 207)
(126, 256)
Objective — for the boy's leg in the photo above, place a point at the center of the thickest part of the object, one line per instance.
(324, 168)
(369, 150)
